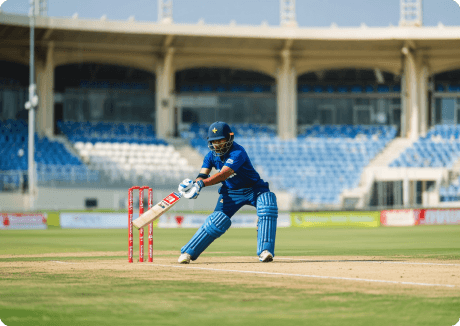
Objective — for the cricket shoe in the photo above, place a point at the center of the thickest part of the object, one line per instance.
(266, 256)
(184, 258)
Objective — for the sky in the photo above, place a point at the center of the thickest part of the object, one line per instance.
(310, 13)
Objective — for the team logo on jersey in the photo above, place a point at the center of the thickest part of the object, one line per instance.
(222, 200)
(229, 161)
(214, 130)
(231, 176)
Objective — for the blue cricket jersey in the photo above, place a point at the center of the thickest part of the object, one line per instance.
(237, 159)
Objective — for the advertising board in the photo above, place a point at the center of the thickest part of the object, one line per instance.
(440, 216)
(21, 221)
(186, 220)
(94, 220)
(334, 219)
(400, 217)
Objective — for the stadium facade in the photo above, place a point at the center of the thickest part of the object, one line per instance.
(288, 77)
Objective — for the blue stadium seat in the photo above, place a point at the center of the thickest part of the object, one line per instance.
(289, 165)
(383, 89)
(318, 89)
(221, 88)
(369, 89)
(304, 88)
(207, 88)
(342, 89)
(454, 88)
(330, 89)
(356, 89)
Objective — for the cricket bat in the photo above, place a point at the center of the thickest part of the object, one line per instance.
(156, 211)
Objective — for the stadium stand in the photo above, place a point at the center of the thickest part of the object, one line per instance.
(222, 88)
(126, 151)
(317, 166)
(54, 161)
(440, 148)
(197, 134)
(109, 132)
(308, 88)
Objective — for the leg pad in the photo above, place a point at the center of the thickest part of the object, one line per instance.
(215, 225)
(267, 210)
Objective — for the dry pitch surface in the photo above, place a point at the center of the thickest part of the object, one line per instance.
(315, 274)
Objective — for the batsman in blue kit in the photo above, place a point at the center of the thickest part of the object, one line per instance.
(241, 185)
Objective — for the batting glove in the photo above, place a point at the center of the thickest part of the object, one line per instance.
(194, 191)
(185, 185)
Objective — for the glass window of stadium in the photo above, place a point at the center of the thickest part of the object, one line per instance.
(349, 96)
(205, 95)
(14, 82)
(446, 98)
(94, 92)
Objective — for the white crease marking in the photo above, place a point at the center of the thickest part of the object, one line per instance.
(368, 261)
(304, 275)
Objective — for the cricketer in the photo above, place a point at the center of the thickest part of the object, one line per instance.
(241, 185)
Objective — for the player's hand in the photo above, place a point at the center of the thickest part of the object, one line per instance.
(194, 191)
(185, 185)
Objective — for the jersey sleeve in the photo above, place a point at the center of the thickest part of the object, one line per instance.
(207, 162)
(236, 160)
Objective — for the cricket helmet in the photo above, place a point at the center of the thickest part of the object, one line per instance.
(220, 130)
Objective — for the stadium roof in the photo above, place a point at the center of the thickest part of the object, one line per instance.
(147, 37)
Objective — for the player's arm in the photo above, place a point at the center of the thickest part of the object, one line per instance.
(223, 175)
(204, 174)
(191, 189)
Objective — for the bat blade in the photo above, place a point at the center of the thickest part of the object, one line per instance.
(157, 210)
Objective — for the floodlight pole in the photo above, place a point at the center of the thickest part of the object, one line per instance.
(411, 13)
(287, 13)
(31, 104)
(165, 8)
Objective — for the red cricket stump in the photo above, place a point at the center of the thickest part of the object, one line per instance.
(141, 231)
(150, 203)
(130, 224)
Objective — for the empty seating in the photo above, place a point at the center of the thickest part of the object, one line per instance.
(48, 154)
(220, 88)
(126, 151)
(450, 192)
(109, 132)
(14, 148)
(317, 166)
(440, 148)
(347, 88)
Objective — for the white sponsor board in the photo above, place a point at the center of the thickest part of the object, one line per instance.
(21, 221)
(94, 220)
(441, 216)
(196, 220)
(399, 217)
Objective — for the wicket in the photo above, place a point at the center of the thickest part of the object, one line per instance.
(141, 230)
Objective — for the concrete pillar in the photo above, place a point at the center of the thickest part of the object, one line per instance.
(293, 101)
(403, 105)
(286, 98)
(425, 197)
(411, 101)
(423, 97)
(406, 192)
(45, 81)
(165, 99)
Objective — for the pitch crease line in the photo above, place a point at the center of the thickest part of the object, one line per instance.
(367, 261)
(303, 275)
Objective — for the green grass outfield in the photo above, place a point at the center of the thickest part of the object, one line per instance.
(40, 298)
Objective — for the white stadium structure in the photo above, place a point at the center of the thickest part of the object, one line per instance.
(333, 118)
